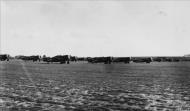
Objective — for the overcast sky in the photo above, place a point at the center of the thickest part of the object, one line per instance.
(95, 28)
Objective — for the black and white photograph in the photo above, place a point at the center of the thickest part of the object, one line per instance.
(94, 55)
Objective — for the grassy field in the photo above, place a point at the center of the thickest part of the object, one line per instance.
(28, 86)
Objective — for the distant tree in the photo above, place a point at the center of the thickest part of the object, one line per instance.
(44, 56)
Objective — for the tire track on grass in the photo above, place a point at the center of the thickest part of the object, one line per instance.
(28, 75)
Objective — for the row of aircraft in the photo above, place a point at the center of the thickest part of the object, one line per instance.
(66, 59)
(58, 58)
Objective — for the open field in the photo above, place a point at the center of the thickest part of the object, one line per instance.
(28, 86)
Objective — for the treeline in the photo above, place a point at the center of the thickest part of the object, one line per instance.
(66, 59)
(4, 57)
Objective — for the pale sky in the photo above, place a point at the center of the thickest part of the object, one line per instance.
(95, 28)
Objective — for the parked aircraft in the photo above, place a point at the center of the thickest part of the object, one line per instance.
(121, 59)
(29, 58)
(141, 59)
(58, 58)
(105, 60)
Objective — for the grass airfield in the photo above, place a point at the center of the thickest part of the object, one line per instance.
(34, 86)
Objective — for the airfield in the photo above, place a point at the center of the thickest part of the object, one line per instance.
(81, 86)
